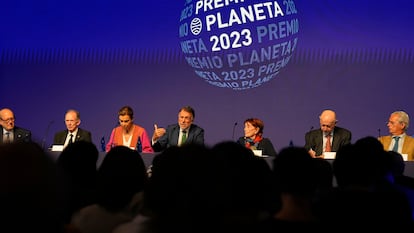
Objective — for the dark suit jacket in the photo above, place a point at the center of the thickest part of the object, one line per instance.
(265, 145)
(170, 138)
(314, 139)
(20, 135)
(82, 135)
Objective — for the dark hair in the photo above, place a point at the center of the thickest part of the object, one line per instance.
(188, 109)
(126, 110)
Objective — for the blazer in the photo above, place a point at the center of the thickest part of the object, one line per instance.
(82, 135)
(265, 145)
(139, 135)
(408, 146)
(314, 139)
(170, 138)
(20, 134)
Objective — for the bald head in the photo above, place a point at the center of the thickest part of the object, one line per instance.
(327, 121)
(328, 115)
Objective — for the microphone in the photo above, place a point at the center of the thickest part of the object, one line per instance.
(311, 128)
(46, 133)
(234, 128)
(379, 132)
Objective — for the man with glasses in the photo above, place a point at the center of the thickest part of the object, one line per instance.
(72, 133)
(328, 138)
(9, 132)
(398, 140)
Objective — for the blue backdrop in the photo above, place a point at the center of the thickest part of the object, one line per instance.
(355, 57)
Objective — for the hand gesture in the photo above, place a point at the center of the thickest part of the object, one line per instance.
(158, 132)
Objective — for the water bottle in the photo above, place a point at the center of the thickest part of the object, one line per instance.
(139, 145)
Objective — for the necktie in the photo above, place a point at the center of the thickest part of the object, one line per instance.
(395, 148)
(7, 139)
(328, 143)
(70, 139)
(184, 137)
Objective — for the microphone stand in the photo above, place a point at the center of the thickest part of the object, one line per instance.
(234, 128)
(46, 134)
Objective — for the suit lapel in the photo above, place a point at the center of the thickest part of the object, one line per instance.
(175, 134)
(318, 142)
(189, 134)
(78, 135)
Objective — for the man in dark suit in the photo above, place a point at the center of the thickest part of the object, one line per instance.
(72, 133)
(177, 134)
(10, 132)
(328, 138)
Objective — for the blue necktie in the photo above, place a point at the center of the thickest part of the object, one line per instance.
(395, 148)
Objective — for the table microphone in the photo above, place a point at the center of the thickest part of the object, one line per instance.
(234, 128)
(46, 133)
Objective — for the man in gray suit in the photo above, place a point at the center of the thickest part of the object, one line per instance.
(9, 132)
(184, 132)
(328, 138)
(72, 133)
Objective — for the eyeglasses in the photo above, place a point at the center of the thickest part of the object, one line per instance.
(125, 121)
(11, 119)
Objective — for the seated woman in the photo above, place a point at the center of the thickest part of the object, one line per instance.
(129, 134)
(254, 140)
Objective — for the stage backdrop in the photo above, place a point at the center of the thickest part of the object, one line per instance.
(282, 61)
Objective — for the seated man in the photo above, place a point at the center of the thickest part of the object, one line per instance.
(398, 140)
(72, 133)
(9, 131)
(328, 138)
(177, 134)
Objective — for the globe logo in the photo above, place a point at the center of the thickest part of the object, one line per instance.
(196, 26)
(238, 44)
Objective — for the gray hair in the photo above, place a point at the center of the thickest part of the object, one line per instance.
(403, 118)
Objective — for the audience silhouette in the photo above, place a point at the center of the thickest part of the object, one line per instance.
(121, 178)
(29, 192)
(298, 177)
(77, 168)
(364, 196)
(196, 188)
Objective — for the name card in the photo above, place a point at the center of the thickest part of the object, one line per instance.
(329, 155)
(257, 152)
(57, 148)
